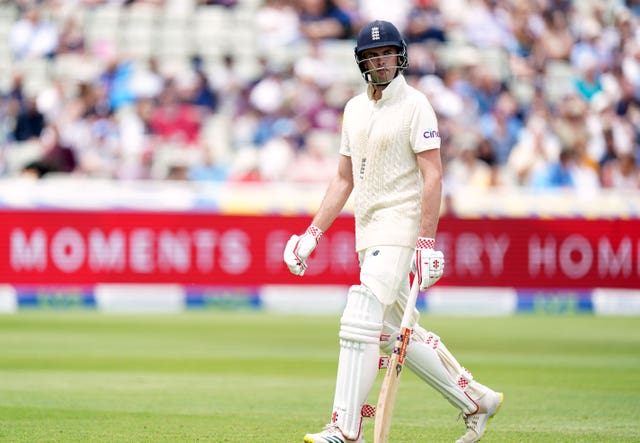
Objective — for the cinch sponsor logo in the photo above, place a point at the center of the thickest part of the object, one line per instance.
(431, 134)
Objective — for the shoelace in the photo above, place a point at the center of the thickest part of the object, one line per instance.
(332, 427)
(470, 420)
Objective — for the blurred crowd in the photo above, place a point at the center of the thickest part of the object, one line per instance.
(536, 94)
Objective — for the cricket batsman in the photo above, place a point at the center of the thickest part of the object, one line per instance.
(390, 161)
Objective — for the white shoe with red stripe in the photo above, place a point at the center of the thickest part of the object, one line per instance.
(477, 423)
(330, 434)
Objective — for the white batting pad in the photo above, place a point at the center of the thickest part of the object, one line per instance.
(360, 328)
(432, 362)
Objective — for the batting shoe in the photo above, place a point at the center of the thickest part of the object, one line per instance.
(477, 423)
(330, 434)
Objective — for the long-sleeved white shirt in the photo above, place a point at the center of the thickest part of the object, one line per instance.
(382, 138)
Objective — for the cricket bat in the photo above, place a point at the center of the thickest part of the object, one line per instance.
(389, 388)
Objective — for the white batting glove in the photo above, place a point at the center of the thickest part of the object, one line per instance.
(299, 248)
(429, 264)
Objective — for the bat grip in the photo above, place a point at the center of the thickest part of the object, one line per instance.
(411, 303)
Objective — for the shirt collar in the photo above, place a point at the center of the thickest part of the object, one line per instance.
(390, 91)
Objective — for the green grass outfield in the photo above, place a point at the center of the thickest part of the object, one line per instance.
(255, 377)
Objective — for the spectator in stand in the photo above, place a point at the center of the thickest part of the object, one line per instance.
(16, 93)
(536, 149)
(488, 25)
(554, 41)
(610, 153)
(628, 103)
(88, 97)
(53, 98)
(633, 5)
(97, 152)
(147, 81)
(425, 23)
(314, 68)
(569, 122)
(621, 173)
(627, 27)
(231, 86)
(72, 37)
(133, 153)
(587, 81)
(57, 156)
(32, 36)
(599, 122)
(484, 153)
(630, 65)
(587, 48)
(557, 174)
(466, 169)
(586, 172)
(523, 17)
(176, 119)
(322, 19)
(277, 23)
(484, 88)
(269, 93)
(451, 95)
(501, 126)
(210, 169)
(276, 156)
(271, 99)
(369, 10)
(75, 119)
(316, 162)
(245, 167)
(203, 94)
(116, 78)
(29, 123)
(316, 75)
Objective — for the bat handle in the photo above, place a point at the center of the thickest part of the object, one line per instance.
(411, 303)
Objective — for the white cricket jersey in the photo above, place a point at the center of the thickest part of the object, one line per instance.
(382, 139)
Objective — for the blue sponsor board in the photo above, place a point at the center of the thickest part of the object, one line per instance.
(421, 302)
(56, 297)
(554, 301)
(222, 298)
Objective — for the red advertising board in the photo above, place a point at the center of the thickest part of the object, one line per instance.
(88, 247)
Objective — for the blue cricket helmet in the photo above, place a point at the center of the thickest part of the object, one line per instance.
(376, 34)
